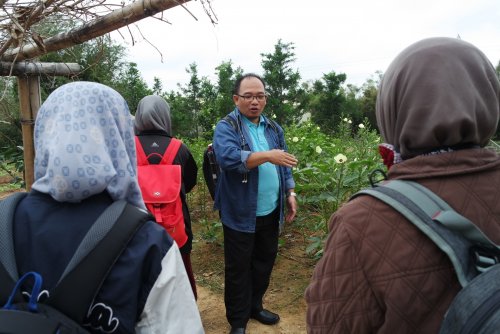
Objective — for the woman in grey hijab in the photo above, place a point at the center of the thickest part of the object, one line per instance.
(153, 128)
(437, 108)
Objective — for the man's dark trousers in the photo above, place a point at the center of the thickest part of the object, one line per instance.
(249, 260)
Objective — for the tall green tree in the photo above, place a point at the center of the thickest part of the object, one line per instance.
(369, 98)
(327, 101)
(157, 86)
(208, 111)
(282, 82)
(131, 86)
(10, 122)
(181, 119)
(351, 108)
(226, 76)
(190, 108)
(101, 58)
(218, 98)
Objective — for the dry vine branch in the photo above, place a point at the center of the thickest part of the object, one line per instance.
(19, 19)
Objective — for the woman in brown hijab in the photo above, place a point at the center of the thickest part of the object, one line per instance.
(437, 109)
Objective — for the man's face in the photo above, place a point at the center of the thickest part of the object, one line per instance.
(251, 99)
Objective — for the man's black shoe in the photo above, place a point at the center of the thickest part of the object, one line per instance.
(266, 317)
(237, 330)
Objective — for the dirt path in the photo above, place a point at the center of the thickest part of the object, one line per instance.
(214, 321)
(284, 296)
(290, 276)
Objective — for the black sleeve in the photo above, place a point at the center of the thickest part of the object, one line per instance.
(188, 166)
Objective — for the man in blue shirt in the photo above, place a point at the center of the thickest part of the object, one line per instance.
(254, 186)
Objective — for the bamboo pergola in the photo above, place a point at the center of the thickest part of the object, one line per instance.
(20, 44)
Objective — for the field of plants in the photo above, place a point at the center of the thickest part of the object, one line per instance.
(331, 168)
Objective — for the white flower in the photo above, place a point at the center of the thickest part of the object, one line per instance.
(318, 149)
(345, 119)
(274, 116)
(340, 158)
(213, 127)
(361, 126)
(295, 139)
(349, 121)
(317, 128)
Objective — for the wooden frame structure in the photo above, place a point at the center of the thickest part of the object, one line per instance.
(12, 62)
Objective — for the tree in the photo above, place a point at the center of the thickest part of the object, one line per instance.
(131, 86)
(10, 122)
(157, 86)
(188, 108)
(282, 82)
(100, 58)
(218, 99)
(369, 98)
(181, 121)
(226, 76)
(351, 107)
(327, 101)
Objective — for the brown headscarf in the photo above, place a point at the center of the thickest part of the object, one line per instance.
(438, 93)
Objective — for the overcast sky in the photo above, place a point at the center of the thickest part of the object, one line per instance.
(355, 37)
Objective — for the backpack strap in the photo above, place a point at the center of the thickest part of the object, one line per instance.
(94, 258)
(451, 232)
(142, 159)
(171, 151)
(8, 267)
(237, 127)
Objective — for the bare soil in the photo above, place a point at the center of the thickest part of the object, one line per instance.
(285, 295)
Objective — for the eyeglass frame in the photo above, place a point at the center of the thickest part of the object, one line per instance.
(250, 98)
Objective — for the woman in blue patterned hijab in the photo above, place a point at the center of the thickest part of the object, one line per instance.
(85, 160)
(84, 144)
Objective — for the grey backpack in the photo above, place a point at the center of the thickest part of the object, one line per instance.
(476, 308)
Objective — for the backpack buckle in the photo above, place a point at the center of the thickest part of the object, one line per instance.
(484, 257)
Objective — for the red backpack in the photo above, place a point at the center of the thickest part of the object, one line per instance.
(161, 189)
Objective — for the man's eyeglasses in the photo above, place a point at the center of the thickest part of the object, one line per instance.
(249, 98)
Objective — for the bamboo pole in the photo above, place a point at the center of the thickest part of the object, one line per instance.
(30, 101)
(101, 26)
(37, 68)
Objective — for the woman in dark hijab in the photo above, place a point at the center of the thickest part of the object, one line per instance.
(437, 108)
(153, 128)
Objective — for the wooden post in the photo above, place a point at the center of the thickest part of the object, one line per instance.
(30, 101)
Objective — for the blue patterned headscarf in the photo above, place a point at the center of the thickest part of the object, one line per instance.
(84, 145)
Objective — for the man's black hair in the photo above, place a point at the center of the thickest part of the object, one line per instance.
(237, 83)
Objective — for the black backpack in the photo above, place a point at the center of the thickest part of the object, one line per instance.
(67, 305)
(476, 308)
(210, 167)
